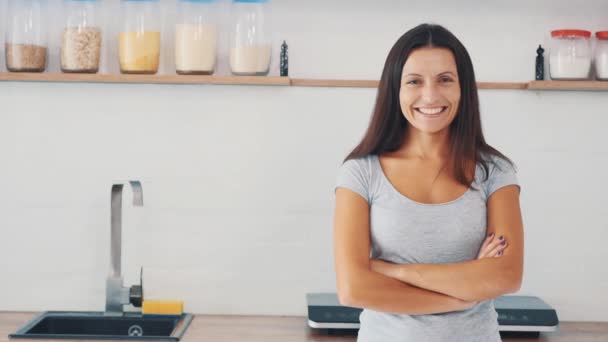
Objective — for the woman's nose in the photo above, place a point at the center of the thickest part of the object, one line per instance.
(429, 92)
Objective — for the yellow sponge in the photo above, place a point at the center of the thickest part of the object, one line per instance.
(162, 307)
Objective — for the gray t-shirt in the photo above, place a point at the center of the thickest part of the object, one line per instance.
(405, 231)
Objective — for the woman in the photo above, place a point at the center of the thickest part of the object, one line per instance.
(425, 208)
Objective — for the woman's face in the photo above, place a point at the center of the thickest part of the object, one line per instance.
(430, 90)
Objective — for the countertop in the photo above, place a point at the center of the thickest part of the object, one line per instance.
(294, 329)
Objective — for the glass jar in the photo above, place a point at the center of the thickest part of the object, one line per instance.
(570, 55)
(26, 35)
(250, 47)
(196, 37)
(81, 36)
(601, 55)
(139, 40)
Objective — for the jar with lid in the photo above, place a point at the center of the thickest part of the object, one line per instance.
(601, 55)
(139, 39)
(81, 36)
(196, 32)
(26, 38)
(250, 43)
(570, 56)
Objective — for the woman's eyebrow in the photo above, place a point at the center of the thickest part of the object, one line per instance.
(443, 73)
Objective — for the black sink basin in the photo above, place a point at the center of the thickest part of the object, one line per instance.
(95, 325)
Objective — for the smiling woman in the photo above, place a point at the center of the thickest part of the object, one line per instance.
(430, 92)
(427, 226)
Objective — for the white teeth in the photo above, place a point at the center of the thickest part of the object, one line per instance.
(431, 111)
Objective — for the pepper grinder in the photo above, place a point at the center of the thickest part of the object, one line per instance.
(540, 64)
(284, 60)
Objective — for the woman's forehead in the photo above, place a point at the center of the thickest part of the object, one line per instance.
(430, 60)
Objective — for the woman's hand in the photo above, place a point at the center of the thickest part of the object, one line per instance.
(492, 248)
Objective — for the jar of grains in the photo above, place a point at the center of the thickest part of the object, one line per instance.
(196, 37)
(81, 37)
(25, 44)
(250, 43)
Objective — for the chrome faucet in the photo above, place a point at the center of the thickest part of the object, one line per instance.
(118, 295)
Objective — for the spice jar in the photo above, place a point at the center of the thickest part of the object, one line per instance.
(139, 40)
(196, 37)
(250, 47)
(81, 37)
(26, 35)
(570, 57)
(601, 55)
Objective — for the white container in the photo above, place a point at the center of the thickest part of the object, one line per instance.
(196, 34)
(250, 46)
(601, 55)
(570, 56)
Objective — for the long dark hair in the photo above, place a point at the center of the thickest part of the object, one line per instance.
(387, 128)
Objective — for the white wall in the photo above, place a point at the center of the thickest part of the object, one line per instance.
(238, 180)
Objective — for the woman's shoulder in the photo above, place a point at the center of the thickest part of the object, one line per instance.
(496, 164)
(363, 164)
(495, 171)
(357, 174)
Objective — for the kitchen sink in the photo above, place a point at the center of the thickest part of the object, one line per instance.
(100, 326)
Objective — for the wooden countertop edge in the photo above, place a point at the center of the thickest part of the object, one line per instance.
(229, 328)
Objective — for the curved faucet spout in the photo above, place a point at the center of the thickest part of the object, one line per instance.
(116, 294)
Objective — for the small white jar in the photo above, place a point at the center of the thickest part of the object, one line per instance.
(570, 57)
(601, 55)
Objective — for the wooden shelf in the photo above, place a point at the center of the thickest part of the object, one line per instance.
(278, 81)
(502, 85)
(568, 85)
(374, 84)
(303, 82)
(161, 79)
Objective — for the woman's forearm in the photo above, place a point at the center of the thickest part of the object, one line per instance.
(378, 292)
(475, 280)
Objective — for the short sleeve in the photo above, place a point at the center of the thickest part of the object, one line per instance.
(354, 175)
(501, 174)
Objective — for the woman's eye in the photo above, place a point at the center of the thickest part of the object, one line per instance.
(446, 79)
(412, 82)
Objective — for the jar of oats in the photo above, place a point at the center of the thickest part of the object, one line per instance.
(139, 40)
(25, 44)
(81, 36)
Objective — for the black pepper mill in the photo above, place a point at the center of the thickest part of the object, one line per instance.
(540, 64)
(284, 60)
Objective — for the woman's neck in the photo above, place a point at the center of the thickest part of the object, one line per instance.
(426, 146)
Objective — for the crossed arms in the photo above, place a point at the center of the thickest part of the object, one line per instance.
(424, 288)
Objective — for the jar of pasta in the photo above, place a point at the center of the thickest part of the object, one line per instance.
(139, 39)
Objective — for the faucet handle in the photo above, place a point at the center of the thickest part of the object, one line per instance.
(136, 293)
